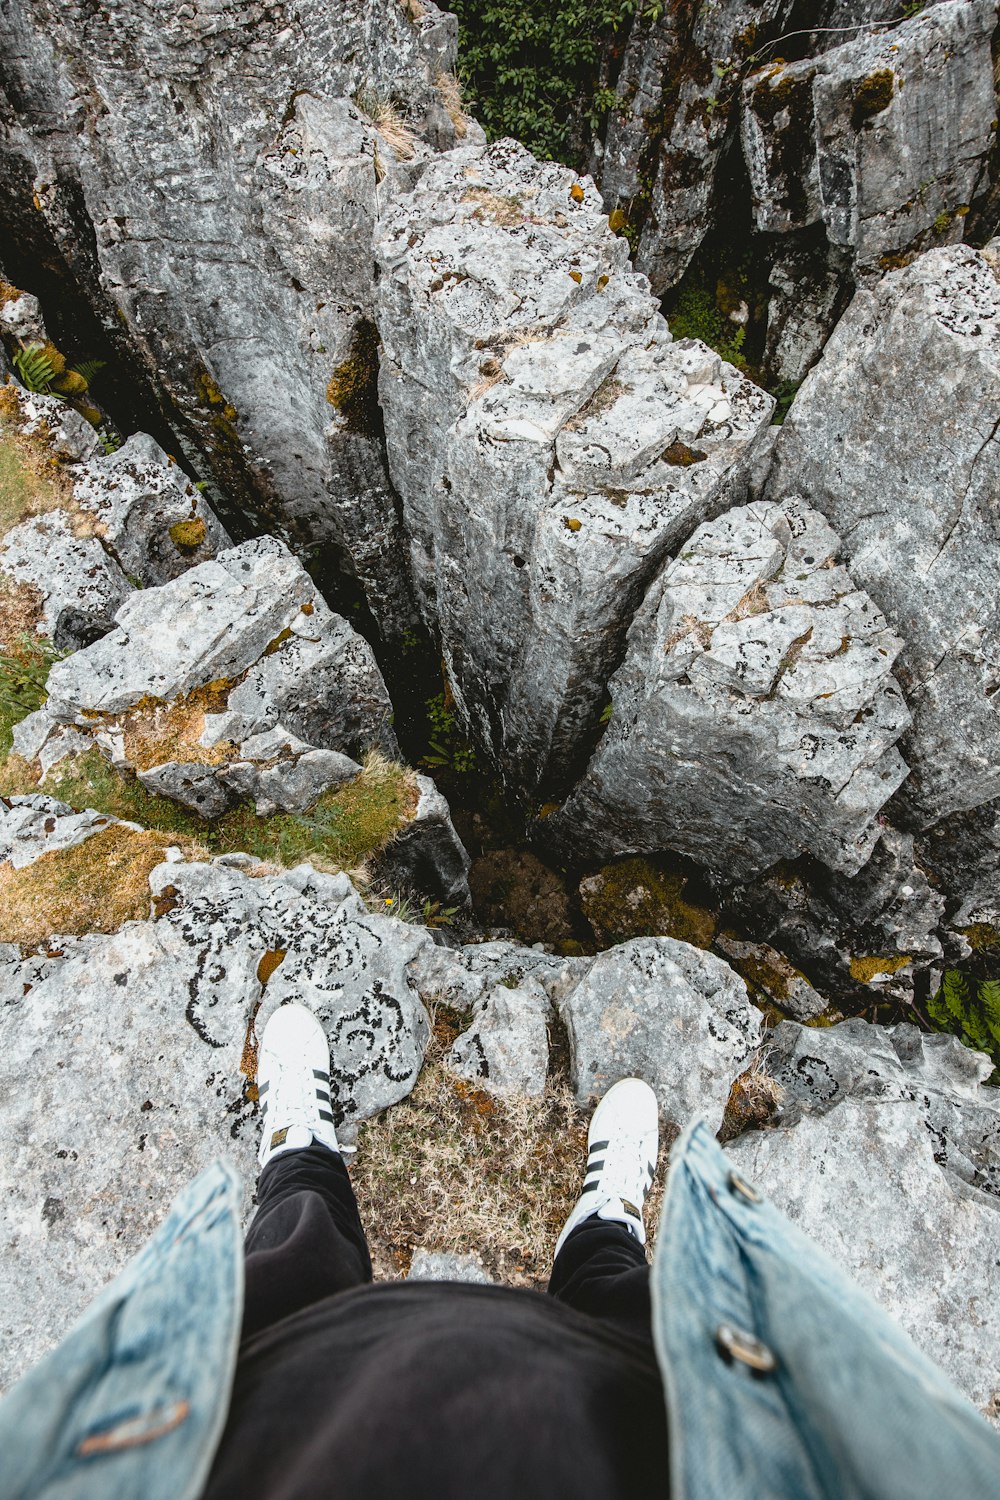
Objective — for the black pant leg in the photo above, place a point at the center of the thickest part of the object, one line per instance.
(306, 1241)
(602, 1270)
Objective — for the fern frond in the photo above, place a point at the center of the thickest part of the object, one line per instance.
(88, 368)
(35, 368)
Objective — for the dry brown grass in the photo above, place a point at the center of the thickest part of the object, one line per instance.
(157, 731)
(94, 887)
(505, 209)
(390, 123)
(20, 611)
(754, 1099)
(33, 481)
(450, 90)
(454, 1168)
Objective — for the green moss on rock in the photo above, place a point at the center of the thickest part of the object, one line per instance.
(872, 95)
(634, 898)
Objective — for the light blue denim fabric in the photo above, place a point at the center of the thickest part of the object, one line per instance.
(851, 1408)
(132, 1403)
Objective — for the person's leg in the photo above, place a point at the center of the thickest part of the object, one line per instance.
(306, 1241)
(600, 1263)
(602, 1270)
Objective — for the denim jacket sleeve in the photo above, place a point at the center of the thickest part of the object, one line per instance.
(133, 1401)
(783, 1378)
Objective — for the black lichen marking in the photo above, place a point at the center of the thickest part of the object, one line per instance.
(817, 1075)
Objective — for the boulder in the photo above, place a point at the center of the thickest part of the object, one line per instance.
(505, 1049)
(755, 715)
(204, 685)
(890, 1159)
(97, 525)
(549, 442)
(664, 1011)
(883, 140)
(209, 192)
(893, 438)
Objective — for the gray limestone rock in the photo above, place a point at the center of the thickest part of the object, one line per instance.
(431, 1265)
(755, 715)
(549, 442)
(506, 1046)
(80, 584)
(890, 1159)
(880, 139)
(119, 1060)
(893, 437)
(36, 825)
(113, 522)
(661, 1010)
(427, 856)
(205, 182)
(770, 971)
(250, 632)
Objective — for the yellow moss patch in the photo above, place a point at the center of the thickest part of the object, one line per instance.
(9, 292)
(94, 887)
(189, 534)
(866, 969)
(981, 936)
(157, 731)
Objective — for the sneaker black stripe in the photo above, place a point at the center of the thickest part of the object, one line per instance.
(598, 1146)
(320, 1073)
(598, 1166)
(262, 1089)
(588, 1187)
(324, 1095)
(325, 1114)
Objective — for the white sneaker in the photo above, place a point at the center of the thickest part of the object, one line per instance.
(293, 1084)
(622, 1146)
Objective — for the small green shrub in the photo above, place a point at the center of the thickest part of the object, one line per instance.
(969, 1008)
(531, 67)
(697, 315)
(24, 671)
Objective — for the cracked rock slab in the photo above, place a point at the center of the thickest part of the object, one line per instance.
(205, 680)
(506, 1049)
(664, 1011)
(755, 715)
(549, 441)
(894, 438)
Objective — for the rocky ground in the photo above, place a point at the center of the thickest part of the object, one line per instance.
(410, 401)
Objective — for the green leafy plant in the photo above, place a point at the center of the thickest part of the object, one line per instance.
(434, 914)
(448, 750)
(531, 68)
(969, 1008)
(35, 368)
(24, 672)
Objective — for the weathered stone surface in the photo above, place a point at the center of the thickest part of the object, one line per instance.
(249, 631)
(506, 1046)
(119, 1061)
(428, 856)
(37, 825)
(755, 715)
(883, 139)
(770, 971)
(549, 442)
(893, 437)
(241, 292)
(431, 1265)
(81, 586)
(109, 523)
(893, 1166)
(857, 937)
(676, 89)
(666, 1012)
